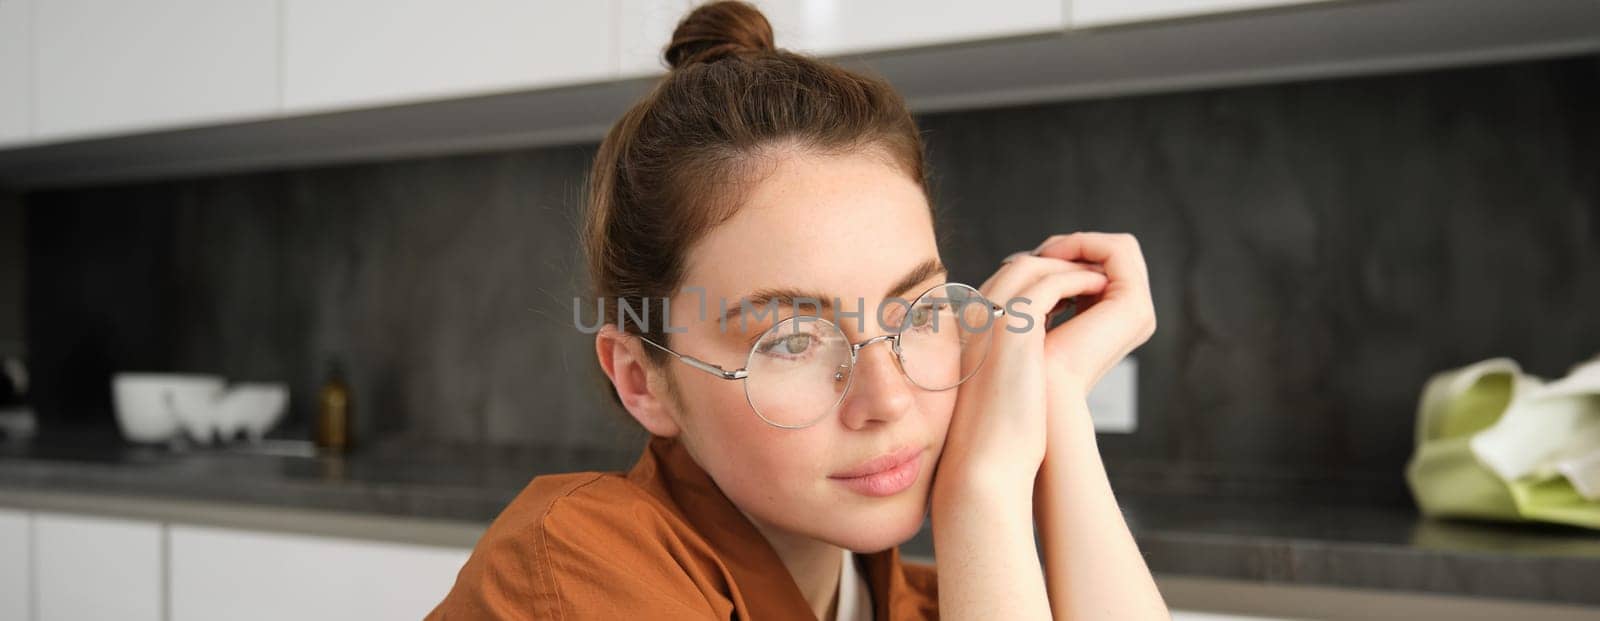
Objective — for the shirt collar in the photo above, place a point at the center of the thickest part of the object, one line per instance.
(666, 469)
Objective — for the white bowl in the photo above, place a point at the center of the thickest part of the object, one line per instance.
(252, 408)
(150, 407)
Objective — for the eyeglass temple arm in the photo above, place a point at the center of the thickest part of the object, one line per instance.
(700, 364)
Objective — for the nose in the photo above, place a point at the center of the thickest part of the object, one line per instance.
(878, 391)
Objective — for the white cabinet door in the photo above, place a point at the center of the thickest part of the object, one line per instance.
(242, 575)
(88, 568)
(834, 27)
(644, 27)
(16, 571)
(1086, 13)
(352, 53)
(113, 66)
(16, 52)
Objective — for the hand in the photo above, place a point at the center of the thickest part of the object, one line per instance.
(998, 429)
(1108, 326)
(1092, 563)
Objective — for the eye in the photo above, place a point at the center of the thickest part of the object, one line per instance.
(923, 316)
(787, 345)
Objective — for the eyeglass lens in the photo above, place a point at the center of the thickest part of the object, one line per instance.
(800, 368)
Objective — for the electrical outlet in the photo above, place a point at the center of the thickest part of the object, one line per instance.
(1114, 402)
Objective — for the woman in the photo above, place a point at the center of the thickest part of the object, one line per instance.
(790, 457)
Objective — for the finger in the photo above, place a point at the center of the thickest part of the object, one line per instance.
(1035, 253)
(1019, 270)
(1118, 252)
(1015, 255)
(1038, 298)
(1019, 335)
(1002, 286)
(1115, 326)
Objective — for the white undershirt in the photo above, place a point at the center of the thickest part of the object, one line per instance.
(855, 597)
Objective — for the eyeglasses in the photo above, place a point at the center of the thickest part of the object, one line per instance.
(798, 371)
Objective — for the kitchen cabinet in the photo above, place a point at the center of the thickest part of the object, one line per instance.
(219, 573)
(353, 53)
(323, 75)
(92, 568)
(16, 53)
(108, 66)
(644, 27)
(837, 27)
(1090, 13)
(16, 565)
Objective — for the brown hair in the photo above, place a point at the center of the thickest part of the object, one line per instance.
(670, 169)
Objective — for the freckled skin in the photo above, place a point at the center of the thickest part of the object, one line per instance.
(851, 226)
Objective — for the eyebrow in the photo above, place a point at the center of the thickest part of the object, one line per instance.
(787, 295)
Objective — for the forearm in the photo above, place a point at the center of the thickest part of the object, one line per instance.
(1093, 568)
(988, 563)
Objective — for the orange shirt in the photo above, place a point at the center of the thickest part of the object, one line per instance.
(660, 541)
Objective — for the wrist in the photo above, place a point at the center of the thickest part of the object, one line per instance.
(1067, 388)
(1062, 379)
(1071, 426)
(963, 482)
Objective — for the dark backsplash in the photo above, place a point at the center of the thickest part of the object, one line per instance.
(1316, 251)
(11, 267)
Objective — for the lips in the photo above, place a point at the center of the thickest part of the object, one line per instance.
(885, 475)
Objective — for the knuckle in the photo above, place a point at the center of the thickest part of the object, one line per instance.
(1036, 262)
(1023, 264)
(1054, 239)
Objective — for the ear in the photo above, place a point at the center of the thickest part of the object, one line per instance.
(642, 392)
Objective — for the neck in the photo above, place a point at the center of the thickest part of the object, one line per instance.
(814, 564)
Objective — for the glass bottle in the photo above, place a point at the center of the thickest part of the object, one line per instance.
(333, 411)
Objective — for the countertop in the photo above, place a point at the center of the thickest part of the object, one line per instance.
(447, 494)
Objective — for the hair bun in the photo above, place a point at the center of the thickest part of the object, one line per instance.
(718, 30)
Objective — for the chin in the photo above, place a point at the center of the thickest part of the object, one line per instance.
(896, 521)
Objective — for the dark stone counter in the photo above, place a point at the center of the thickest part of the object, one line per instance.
(463, 483)
(1353, 545)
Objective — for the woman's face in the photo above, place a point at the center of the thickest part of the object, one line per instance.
(849, 226)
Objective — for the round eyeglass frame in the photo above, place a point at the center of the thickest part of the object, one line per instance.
(743, 373)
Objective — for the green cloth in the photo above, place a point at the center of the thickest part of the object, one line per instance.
(1444, 474)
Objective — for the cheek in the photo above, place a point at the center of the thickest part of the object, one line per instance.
(937, 408)
(749, 459)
